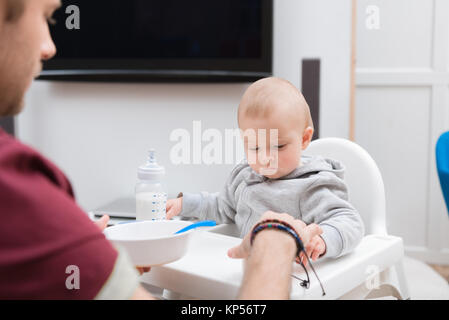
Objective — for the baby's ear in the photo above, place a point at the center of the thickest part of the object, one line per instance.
(307, 137)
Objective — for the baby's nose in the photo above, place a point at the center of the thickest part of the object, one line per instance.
(265, 159)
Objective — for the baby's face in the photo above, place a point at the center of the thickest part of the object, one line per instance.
(271, 156)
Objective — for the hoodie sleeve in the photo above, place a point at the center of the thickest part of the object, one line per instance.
(219, 206)
(325, 203)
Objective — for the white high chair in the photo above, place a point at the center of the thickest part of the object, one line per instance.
(373, 270)
(367, 195)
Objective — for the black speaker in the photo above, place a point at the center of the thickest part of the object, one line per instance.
(311, 69)
(7, 124)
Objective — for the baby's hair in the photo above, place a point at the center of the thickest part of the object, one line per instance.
(264, 95)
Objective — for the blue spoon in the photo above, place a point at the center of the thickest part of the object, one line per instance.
(207, 223)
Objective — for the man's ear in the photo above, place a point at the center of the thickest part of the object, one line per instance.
(307, 137)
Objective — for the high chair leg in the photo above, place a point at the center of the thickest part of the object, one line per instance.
(392, 282)
(402, 281)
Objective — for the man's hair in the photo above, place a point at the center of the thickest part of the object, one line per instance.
(14, 9)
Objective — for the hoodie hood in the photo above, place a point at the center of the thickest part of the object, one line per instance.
(309, 165)
(315, 164)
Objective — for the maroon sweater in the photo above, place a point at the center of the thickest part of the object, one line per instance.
(43, 231)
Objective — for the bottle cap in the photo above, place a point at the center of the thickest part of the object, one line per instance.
(151, 170)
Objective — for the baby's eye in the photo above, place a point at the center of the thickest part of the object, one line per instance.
(281, 146)
(254, 149)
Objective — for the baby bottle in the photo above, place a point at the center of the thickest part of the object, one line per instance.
(151, 195)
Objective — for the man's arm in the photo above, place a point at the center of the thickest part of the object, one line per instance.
(141, 294)
(269, 266)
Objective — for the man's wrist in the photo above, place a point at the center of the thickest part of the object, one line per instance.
(274, 242)
(268, 266)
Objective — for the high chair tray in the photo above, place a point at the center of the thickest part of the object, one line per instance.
(206, 272)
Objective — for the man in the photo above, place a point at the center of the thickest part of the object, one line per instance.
(44, 235)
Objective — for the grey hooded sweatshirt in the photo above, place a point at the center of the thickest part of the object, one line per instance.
(314, 193)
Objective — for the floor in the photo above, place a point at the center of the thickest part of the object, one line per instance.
(442, 270)
(424, 282)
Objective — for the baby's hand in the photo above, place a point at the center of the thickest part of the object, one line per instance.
(315, 248)
(174, 207)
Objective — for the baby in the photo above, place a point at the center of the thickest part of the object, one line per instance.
(274, 176)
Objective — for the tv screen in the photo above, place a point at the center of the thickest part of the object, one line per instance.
(157, 40)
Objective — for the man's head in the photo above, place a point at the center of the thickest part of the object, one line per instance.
(25, 42)
(274, 105)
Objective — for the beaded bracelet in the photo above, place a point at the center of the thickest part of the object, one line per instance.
(276, 221)
(280, 225)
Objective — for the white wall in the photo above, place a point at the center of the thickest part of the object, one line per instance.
(317, 29)
(99, 133)
(402, 108)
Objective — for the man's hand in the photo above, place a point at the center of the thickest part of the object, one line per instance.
(142, 270)
(315, 248)
(174, 207)
(305, 232)
(102, 223)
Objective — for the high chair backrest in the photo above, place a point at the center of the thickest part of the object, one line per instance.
(362, 176)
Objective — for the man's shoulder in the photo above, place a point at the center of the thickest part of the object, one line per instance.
(14, 153)
(9, 144)
(21, 164)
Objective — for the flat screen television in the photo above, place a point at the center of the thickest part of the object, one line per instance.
(162, 40)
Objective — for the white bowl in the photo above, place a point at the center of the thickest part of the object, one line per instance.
(151, 243)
